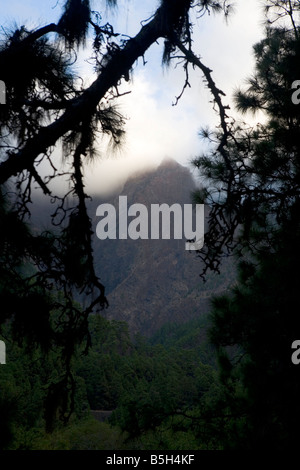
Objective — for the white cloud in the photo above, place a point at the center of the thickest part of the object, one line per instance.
(155, 128)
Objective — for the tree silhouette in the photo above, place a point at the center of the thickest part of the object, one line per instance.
(255, 214)
(46, 104)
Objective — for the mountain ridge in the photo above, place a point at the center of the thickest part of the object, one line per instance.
(152, 282)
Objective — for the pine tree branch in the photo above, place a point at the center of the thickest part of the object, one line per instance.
(216, 92)
(118, 65)
(17, 46)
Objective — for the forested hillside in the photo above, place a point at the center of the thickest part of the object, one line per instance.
(152, 390)
(147, 383)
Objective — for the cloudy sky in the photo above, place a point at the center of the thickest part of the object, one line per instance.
(156, 129)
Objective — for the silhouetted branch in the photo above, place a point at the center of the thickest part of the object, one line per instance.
(117, 66)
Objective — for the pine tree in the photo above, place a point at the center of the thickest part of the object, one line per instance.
(254, 192)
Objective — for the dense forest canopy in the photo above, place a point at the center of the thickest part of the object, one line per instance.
(250, 181)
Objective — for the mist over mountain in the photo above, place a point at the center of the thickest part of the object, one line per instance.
(149, 283)
(153, 282)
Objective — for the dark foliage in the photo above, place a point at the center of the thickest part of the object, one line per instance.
(254, 197)
(43, 272)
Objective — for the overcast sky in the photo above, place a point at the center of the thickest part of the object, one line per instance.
(155, 129)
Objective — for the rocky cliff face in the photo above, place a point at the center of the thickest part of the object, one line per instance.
(152, 282)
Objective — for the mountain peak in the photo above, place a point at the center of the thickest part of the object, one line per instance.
(150, 282)
(169, 161)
